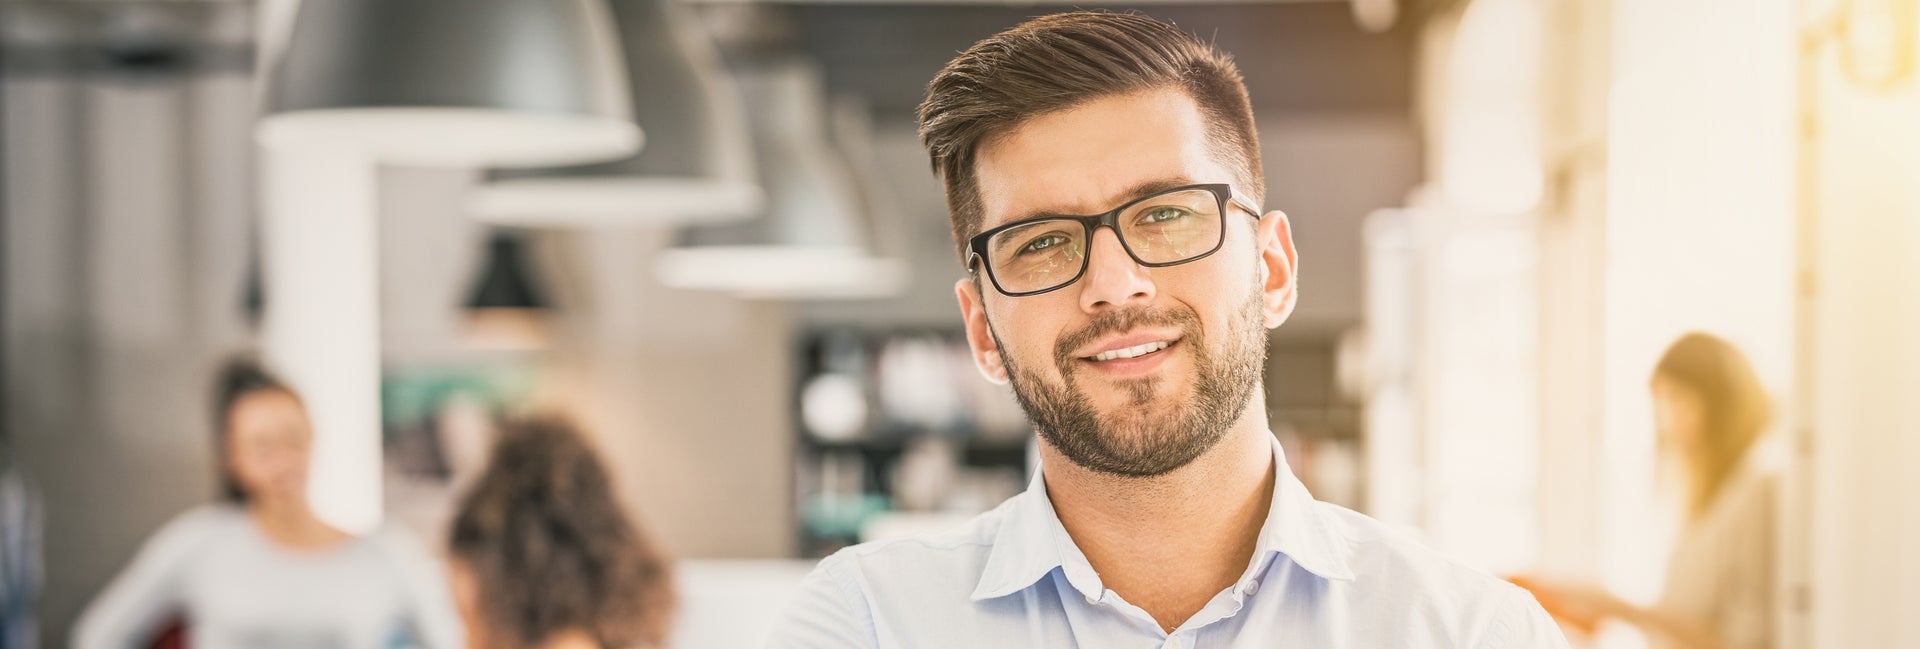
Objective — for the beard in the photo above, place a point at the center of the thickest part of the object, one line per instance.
(1157, 431)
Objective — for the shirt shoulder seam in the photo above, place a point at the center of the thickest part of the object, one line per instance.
(926, 542)
(1499, 634)
(851, 595)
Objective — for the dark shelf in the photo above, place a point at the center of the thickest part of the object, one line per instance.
(876, 453)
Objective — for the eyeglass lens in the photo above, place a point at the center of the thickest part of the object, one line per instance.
(1161, 230)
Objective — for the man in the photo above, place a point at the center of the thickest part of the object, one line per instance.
(1164, 514)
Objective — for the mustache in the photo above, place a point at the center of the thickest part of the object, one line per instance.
(1106, 323)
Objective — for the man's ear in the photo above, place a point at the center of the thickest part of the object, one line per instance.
(986, 352)
(1279, 267)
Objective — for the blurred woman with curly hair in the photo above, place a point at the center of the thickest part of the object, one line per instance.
(544, 555)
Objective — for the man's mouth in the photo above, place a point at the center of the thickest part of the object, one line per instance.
(1135, 351)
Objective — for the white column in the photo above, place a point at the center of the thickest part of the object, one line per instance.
(1699, 232)
(322, 322)
(1861, 352)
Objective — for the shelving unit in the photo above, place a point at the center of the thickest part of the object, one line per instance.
(877, 410)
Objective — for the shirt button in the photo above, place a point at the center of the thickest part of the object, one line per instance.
(1173, 642)
(1251, 588)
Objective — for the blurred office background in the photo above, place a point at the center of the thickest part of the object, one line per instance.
(1505, 210)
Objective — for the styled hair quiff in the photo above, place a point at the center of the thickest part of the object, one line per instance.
(1056, 62)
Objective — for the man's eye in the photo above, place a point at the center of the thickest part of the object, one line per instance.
(1042, 243)
(1163, 215)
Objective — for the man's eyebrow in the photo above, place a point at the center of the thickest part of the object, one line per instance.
(1138, 190)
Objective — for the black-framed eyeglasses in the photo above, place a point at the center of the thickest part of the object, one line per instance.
(1048, 253)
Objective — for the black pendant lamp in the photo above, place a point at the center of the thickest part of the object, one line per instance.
(507, 307)
(506, 278)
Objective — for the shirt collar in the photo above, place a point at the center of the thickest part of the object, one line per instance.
(1031, 542)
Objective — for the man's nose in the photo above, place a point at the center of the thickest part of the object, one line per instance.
(1113, 278)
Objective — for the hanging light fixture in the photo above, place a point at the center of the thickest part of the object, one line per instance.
(253, 291)
(816, 240)
(697, 165)
(349, 84)
(1880, 47)
(451, 82)
(507, 307)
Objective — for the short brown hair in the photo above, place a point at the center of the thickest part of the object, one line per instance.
(551, 549)
(1055, 62)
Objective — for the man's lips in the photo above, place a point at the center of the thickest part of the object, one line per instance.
(1127, 346)
(1134, 361)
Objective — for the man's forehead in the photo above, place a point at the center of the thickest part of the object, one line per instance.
(1094, 156)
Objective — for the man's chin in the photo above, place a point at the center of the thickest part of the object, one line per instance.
(1136, 428)
(1137, 397)
(1140, 452)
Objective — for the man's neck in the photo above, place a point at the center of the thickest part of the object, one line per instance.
(1169, 543)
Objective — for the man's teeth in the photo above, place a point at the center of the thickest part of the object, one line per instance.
(1133, 351)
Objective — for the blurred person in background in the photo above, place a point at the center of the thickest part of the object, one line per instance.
(20, 568)
(259, 569)
(1711, 413)
(545, 557)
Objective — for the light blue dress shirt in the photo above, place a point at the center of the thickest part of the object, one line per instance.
(1322, 577)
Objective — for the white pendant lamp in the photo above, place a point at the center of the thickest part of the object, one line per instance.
(450, 83)
(815, 241)
(697, 166)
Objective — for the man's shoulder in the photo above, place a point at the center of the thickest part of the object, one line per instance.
(838, 604)
(958, 551)
(1394, 570)
(1379, 553)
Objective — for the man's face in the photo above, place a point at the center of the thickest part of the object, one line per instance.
(1202, 324)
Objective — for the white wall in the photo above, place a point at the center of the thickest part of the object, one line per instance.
(1328, 171)
(1699, 227)
(689, 394)
(1669, 206)
(1862, 348)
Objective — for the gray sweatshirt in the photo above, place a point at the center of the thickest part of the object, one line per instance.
(214, 569)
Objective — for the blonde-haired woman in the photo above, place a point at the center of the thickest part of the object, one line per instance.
(1712, 415)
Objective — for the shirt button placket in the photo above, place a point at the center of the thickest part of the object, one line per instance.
(1173, 642)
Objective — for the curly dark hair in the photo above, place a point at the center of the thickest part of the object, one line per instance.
(551, 548)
